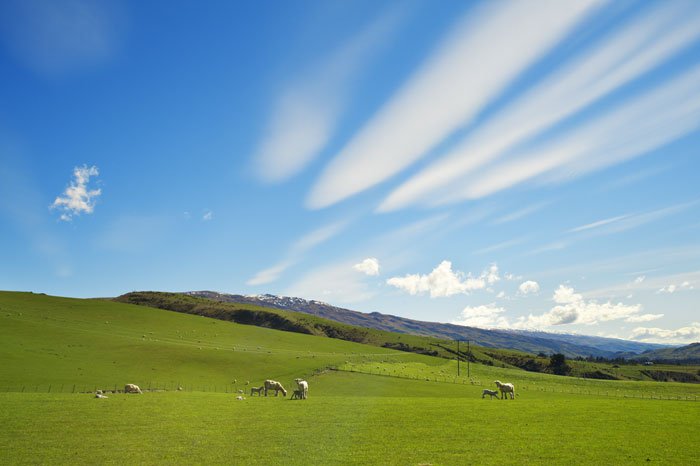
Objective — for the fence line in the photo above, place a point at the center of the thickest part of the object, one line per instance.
(551, 389)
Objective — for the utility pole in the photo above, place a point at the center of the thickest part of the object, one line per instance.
(458, 358)
(469, 352)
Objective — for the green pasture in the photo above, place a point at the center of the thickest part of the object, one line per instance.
(525, 382)
(367, 405)
(348, 419)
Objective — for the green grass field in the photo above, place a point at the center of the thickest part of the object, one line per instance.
(411, 409)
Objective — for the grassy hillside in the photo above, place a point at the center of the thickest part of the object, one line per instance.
(61, 341)
(298, 322)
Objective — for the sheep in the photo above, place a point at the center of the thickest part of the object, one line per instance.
(131, 388)
(276, 386)
(491, 393)
(258, 390)
(296, 394)
(240, 398)
(505, 388)
(303, 387)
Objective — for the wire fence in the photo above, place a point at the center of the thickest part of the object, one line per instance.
(117, 388)
(575, 390)
(244, 388)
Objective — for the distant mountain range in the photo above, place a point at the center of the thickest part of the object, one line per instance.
(689, 354)
(531, 342)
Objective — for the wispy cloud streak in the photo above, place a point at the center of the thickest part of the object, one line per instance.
(627, 131)
(499, 40)
(296, 251)
(307, 111)
(615, 61)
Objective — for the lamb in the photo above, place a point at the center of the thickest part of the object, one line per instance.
(131, 388)
(258, 390)
(505, 388)
(303, 387)
(276, 386)
(491, 393)
(296, 394)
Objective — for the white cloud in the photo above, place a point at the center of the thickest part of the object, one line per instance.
(306, 114)
(502, 245)
(644, 318)
(629, 221)
(629, 53)
(598, 224)
(208, 215)
(572, 309)
(56, 38)
(444, 282)
(519, 214)
(528, 287)
(268, 275)
(77, 198)
(684, 335)
(369, 266)
(499, 39)
(485, 316)
(673, 288)
(660, 284)
(640, 279)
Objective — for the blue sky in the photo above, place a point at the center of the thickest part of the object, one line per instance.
(508, 164)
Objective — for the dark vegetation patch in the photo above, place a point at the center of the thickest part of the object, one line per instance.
(598, 375)
(672, 376)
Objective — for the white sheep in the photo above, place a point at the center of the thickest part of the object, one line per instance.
(505, 388)
(276, 386)
(131, 388)
(303, 387)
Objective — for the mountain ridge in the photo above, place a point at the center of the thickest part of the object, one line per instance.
(534, 342)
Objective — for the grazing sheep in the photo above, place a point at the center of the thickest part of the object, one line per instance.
(276, 386)
(131, 388)
(240, 398)
(296, 394)
(258, 390)
(303, 387)
(491, 393)
(505, 388)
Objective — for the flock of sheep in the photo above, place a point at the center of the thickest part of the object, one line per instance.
(302, 391)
